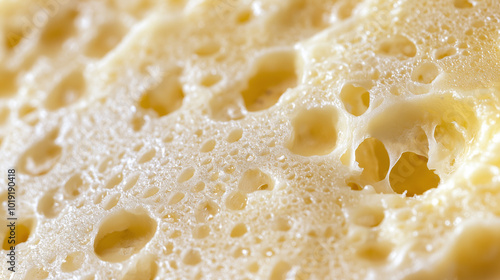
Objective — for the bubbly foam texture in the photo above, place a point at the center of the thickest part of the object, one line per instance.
(277, 139)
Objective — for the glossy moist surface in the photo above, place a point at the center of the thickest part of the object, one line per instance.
(277, 139)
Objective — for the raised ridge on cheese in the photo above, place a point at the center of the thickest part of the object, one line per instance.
(252, 139)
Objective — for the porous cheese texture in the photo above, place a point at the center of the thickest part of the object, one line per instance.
(238, 139)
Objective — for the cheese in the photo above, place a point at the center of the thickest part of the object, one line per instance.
(239, 139)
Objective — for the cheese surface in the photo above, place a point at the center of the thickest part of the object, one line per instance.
(238, 139)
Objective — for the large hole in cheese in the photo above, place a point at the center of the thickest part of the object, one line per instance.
(411, 175)
(165, 97)
(41, 157)
(374, 159)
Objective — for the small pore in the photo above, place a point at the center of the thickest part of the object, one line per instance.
(444, 52)
(398, 46)
(147, 156)
(244, 16)
(236, 201)
(462, 4)
(373, 158)
(274, 74)
(255, 180)
(206, 211)
(356, 99)
(41, 157)
(186, 174)
(425, 73)
(112, 201)
(122, 235)
(164, 98)
(280, 271)
(208, 49)
(312, 137)
(48, 205)
(411, 175)
(107, 37)
(208, 146)
(191, 257)
(114, 181)
(210, 80)
(74, 186)
(235, 135)
(238, 230)
(73, 261)
(67, 91)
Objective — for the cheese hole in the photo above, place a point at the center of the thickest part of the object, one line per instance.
(122, 235)
(145, 268)
(131, 182)
(255, 180)
(147, 156)
(201, 232)
(48, 206)
(176, 198)
(312, 137)
(73, 261)
(447, 135)
(373, 158)
(410, 174)
(206, 211)
(107, 37)
(114, 181)
(20, 235)
(345, 10)
(67, 91)
(356, 99)
(112, 201)
(281, 224)
(41, 157)
(225, 108)
(137, 122)
(210, 80)
(244, 16)
(238, 230)
(254, 267)
(425, 73)
(280, 271)
(8, 84)
(186, 174)
(367, 215)
(462, 4)
(444, 52)
(191, 257)
(36, 273)
(375, 252)
(274, 74)
(207, 146)
(208, 49)
(164, 98)
(150, 192)
(236, 201)
(74, 186)
(25, 110)
(13, 36)
(235, 135)
(59, 28)
(398, 46)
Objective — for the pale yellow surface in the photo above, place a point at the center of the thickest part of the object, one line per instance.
(233, 139)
